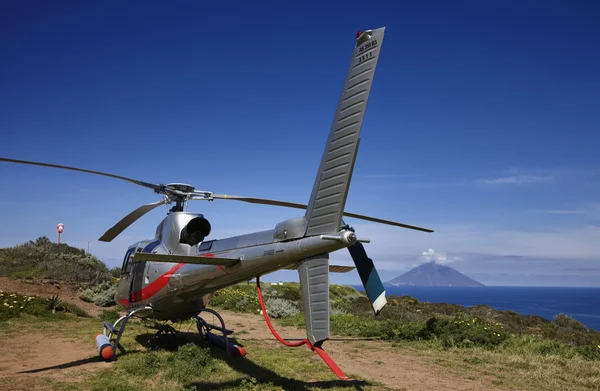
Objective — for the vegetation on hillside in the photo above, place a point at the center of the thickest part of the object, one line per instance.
(44, 260)
(12, 305)
(406, 319)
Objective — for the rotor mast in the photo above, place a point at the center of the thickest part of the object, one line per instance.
(180, 196)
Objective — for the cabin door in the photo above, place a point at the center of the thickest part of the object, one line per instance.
(137, 281)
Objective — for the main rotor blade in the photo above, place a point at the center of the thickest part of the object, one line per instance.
(263, 201)
(126, 221)
(266, 201)
(145, 184)
(388, 222)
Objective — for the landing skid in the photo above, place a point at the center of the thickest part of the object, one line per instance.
(107, 347)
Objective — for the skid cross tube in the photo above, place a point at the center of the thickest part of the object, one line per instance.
(328, 360)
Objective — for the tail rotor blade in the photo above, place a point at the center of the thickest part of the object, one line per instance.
(369, 276)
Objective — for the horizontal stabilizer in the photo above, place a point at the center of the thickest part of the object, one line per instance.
(198, 260)
(332, 268)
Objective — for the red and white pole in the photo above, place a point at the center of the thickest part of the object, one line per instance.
(60, 227)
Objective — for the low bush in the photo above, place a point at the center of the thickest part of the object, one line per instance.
(103, 295)
(566, 322)
(236, 298)
(280, 308)
(464, 332)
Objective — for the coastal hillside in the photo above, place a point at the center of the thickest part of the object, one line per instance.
(482, 344)
(433, 274)
(42, 260)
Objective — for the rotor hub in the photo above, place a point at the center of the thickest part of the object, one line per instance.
(183, 187)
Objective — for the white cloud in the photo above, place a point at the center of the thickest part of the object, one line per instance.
(519, 180)
(563, 211)
(438, 257)
(434, 256)
(389, 176)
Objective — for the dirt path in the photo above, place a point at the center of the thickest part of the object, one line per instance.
(58, 358)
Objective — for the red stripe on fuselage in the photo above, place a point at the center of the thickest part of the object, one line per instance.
(153, 288)
(212, 255)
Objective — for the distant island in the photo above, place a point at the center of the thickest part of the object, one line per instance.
(433, 274)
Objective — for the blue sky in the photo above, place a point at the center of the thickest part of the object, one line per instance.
(483, 123)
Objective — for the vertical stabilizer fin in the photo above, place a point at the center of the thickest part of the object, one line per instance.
(328, 197)
(314, 280)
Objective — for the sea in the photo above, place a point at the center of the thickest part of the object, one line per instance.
(582, 304)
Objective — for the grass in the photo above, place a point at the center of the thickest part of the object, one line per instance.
(513, 366)
(176, 366)
(185, 367)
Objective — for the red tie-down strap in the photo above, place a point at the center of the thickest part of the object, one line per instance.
(328, 360)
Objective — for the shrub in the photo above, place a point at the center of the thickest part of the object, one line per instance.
(115, 272)
(567, 322)
(103, 294)
(464, 332)
(281, 308)
(236, 298)
(589, 352)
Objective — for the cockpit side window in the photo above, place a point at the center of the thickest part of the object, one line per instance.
(126, 268)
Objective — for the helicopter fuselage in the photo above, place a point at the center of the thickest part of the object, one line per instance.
(178, 291)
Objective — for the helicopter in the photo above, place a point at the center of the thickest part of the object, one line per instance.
(172, 276)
